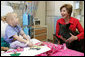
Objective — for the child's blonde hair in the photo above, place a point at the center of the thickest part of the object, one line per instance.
(9, 17)
(3, 18)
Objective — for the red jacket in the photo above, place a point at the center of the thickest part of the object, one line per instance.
(74, 24)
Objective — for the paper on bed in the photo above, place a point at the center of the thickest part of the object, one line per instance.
(34, 41)
(28, 52)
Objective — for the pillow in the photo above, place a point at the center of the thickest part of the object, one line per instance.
(3, 28)
(5, 10)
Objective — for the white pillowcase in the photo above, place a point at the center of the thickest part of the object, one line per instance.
(3, 28)
(4, 10)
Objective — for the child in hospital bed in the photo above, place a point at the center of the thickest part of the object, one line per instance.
(12, 32)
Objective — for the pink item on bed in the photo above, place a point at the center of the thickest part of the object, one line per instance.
(15, 50)
(59, 50)
(68, 52)
(54, 48)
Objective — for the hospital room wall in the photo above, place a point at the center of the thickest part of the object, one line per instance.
(82, 14)
(40, 13)
(4, 3)
(79, 12)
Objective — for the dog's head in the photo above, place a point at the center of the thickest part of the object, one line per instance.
(64, 26)
(64, 30)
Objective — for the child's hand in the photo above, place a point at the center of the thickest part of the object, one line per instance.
(14, 39)
(30, 44)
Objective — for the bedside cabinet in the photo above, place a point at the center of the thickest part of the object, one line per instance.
(40, 33)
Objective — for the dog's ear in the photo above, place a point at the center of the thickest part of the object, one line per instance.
(68, 25)
(59, 24)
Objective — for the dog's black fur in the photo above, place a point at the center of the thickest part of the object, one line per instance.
(65, 31)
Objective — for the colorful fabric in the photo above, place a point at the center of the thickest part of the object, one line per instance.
(59, 50)
(25, 19)
(54, 48)
(26, 30)
(4, 43)
(68, 52)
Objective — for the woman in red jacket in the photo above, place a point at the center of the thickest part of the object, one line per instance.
(66, 11)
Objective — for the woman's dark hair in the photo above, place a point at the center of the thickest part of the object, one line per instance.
(68, 8)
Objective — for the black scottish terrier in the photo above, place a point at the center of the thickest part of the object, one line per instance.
(65, 32)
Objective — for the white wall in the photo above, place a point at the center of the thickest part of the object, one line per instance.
(82, 14)
(50, 8)
(4, 3)
(40, 14)
(58, 4)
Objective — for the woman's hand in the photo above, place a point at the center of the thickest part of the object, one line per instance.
(72, 38)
